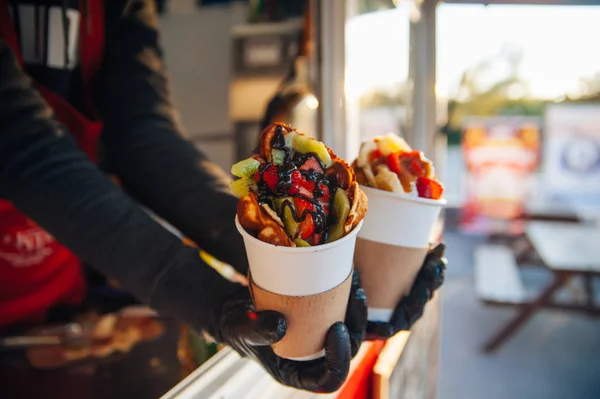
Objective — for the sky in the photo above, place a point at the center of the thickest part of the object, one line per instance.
(559, 44)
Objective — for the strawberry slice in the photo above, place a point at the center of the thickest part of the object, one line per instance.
(300, 185)
(375, 155)
(325, 198)
(316, 239)
(393, 162)
(301, 205)
(312, 164)
(271, 177)
(307, 227)
(307, 185)
(413, 162)
(296, 181)
(428, 188)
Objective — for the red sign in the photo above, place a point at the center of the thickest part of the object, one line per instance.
(501, 154)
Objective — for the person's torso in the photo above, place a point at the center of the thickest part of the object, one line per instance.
(50, 37)
(36, 271)
(48, 33)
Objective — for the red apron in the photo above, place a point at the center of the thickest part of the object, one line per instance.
(37, 272)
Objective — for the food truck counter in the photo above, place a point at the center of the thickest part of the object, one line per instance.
(404, 366)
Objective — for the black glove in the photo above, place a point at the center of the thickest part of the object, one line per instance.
(250, 333)
(410, 308)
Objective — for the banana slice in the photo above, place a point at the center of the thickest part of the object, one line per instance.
(387, 180)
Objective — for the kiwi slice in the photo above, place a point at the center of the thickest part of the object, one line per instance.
(286, 216)
(245, 168)
(301, 243)
(304, 145)
(241, 187)
(277, 203)
(291, 227)
(289, 139)
(278, 156)
(341, 209)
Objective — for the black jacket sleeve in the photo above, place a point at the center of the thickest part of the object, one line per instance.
(145, 145)
(44, 175)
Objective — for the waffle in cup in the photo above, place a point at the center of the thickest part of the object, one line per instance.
(299, 212)
(405, 201)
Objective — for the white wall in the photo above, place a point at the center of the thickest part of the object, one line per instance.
(198, 54)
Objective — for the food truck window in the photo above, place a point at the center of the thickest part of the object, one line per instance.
(377, 63)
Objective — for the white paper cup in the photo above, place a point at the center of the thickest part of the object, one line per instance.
(392, 245)
(299, 271)
(399, 219)
(310, 286)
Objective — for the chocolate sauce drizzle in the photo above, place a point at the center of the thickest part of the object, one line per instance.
(291, 163)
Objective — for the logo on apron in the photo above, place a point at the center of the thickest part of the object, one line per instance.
(27, 247)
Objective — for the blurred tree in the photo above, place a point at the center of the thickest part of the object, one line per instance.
(589, 89)
(390, 97)
(492, 87)
(590, 86)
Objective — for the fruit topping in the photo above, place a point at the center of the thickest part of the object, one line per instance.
(375, 155)
(306, 145)
(316, 238)
(245, 168)
(303, 205)
(391, 143)
(341, 208)
(278, 156)
(291, 226)
(413, 163)
(241, 187)
(387, 180)
(311, 163)
(295, 182)
(429, 188)
(306, 212)
(393, 162)
(385, 156)
(323, 193)
(366, 149)
(301, 243)
(288, 190)
(271, 177)
(307, 227)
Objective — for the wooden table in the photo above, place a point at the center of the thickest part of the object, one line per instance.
(568, 250)
(545, 209)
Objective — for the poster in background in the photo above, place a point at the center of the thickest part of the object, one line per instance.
(501, 155)
(571, 167)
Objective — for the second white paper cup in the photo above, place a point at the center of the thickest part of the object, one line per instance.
(399, 219)
(296, 271)
(377, 314)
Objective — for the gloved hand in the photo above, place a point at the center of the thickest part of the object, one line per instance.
(410, 308)
(250, 333)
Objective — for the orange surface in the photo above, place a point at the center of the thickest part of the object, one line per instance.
(360, 381)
